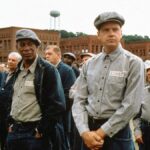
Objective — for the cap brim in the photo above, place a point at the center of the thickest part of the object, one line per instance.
(25, 38)
(110, 20)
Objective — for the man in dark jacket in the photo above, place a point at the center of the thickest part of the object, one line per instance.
(69, 58)
(53, 55)
(37, 98)
(6, 85)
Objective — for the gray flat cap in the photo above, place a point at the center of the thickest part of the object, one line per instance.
(27, 34)
(107, 17)
(70, 54)
(87, 54)
(147, 64)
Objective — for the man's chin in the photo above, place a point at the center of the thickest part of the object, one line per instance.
(111, 45)
(29, 59)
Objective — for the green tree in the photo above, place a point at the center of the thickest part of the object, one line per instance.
(66, 34)
(134, 38)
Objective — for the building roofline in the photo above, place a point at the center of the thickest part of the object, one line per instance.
(17, 27)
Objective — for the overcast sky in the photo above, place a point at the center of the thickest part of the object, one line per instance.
(75, 15)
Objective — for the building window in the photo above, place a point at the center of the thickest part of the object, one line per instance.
(9, 44)
(144, 52)
(1, 44)
(132, 51)
(4, 59)
(93, 48)
(5, 44)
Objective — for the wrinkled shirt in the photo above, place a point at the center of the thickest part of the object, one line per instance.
(25, 106)
(109, 86)
(144, 114)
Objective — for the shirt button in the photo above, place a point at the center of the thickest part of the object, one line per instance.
(102, 77)
(100, 89)
(105, 67)
(98, 101)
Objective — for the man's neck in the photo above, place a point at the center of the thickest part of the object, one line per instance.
(27, 64)
(11, 70)
(58, 62)
(109, 50)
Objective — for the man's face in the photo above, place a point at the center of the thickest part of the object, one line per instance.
(85, 58)
(12, 62)
(68, 60)
(2, 67)
(52, 56)
(27, 49)
(148, 75)
(110, 35)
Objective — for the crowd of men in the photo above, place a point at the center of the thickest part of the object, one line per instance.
(51, 103)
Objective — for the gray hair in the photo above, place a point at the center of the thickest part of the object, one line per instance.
(16, 54)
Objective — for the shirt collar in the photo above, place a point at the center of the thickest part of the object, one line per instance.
(32, 67)
(57, 63)
(113, 55)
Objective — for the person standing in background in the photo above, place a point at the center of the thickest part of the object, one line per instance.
(142, 121)
(6, 85)
(53, 55)
(69, 58)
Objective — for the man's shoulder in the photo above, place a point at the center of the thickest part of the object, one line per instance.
(3, 74)
(44, 63)
(94, 59)
(65, 66)
(131, 56)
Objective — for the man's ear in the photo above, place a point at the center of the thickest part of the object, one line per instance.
(98, 35)
(121, 34)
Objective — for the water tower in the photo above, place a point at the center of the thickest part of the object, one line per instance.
(54, 22)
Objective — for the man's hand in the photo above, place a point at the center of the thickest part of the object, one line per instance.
(101, 133)
(10, 128)
(37, 134)
(92, 140)
(139, 139)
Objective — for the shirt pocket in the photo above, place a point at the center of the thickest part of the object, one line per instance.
(29, 86)
(115, 86)
(116, 80)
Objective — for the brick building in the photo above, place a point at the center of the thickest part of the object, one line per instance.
(78, 45)
(140, 48)
(8, 40)
(90, 43)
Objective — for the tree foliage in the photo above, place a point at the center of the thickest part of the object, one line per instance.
(66, 34)
(127, 38)
(135, 38)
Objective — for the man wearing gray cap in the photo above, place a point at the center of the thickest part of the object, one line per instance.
(110, 88)
(37, 99)
(69, 58)
(142, 120)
